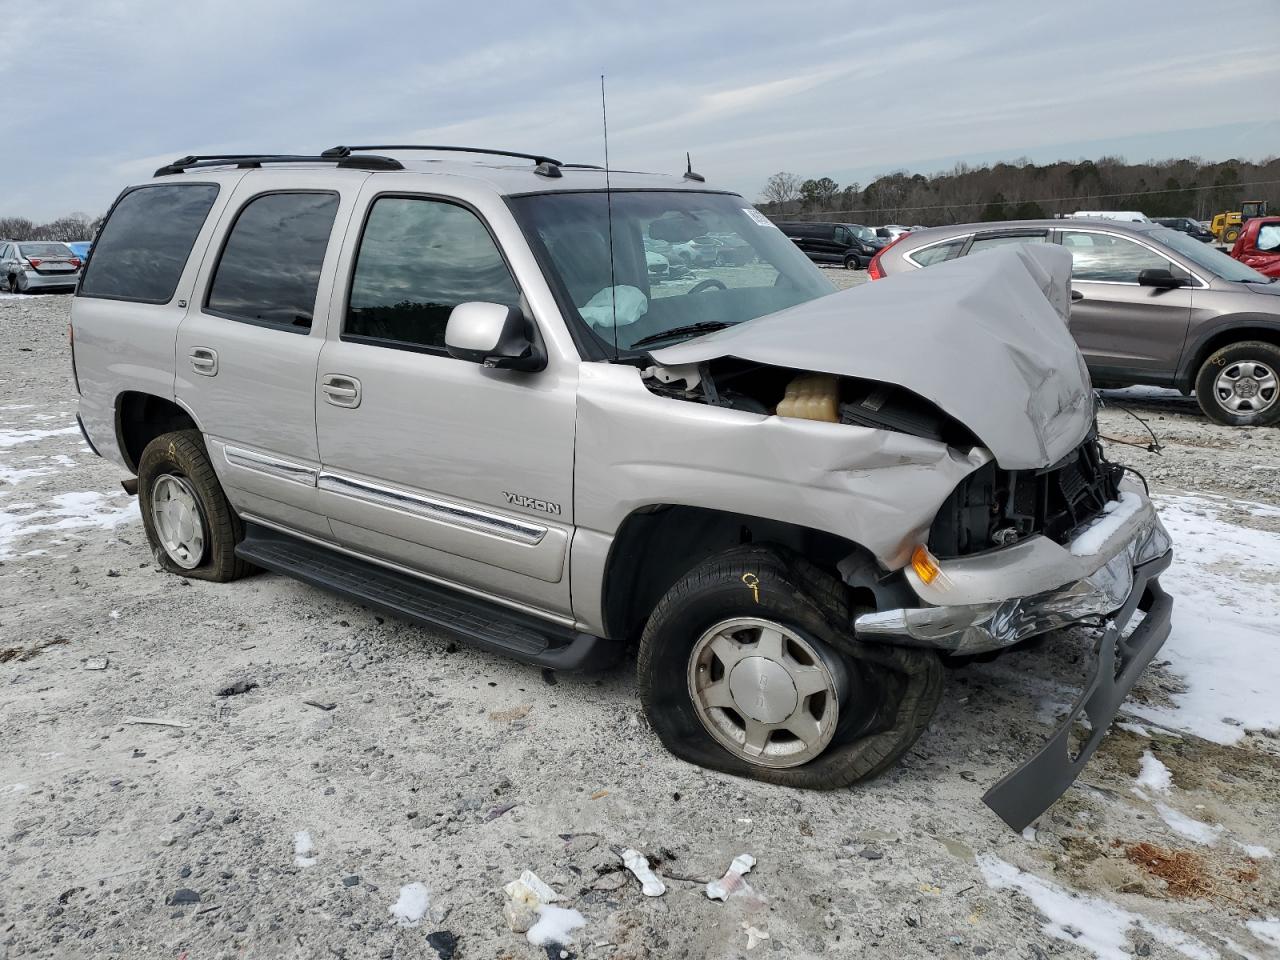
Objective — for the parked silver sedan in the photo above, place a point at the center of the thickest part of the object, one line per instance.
(38, 265)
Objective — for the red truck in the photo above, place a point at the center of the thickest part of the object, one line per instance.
(1258, 245)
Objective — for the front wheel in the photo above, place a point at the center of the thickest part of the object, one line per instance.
(748, 666)
(192, 529)
(852, 263)
(1238, 384)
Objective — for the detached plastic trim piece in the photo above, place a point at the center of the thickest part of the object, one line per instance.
(1025, 793)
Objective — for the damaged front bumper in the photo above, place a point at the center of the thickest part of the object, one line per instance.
(994, 600)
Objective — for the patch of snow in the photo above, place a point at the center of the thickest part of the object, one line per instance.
(1255, 851)
(304, 851)
(14, 475)
(1268, 931)
(412, 904)
(1197, 830)
(1154, 775)
(12, 438)
(555, 925)
(1115, 515)
(1029, 834)
(1093, 923)
(1225, 580)
(15, 788)
(67, 511)
(1135, 728)
(1236, 949)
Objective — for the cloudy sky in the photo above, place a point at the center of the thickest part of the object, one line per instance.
(100, 92)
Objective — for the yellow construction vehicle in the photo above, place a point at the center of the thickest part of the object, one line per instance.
(1226, 226)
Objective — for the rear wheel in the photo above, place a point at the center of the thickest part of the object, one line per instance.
(852, 263)
(1239, 384)
(748, 666)
(191, 526)
(1231, 236)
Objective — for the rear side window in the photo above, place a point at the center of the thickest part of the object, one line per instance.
(1269, 237)
(938, 253)
(418, 259)
(270, 265)
(982, 244)
(144, 245)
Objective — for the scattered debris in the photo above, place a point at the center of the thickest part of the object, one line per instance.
(350, 880)
(1183, 872)
(530, 889)
(412, 904)
(732, 881)
(495, 812)
(155, 722)
(519, 916)
(599, 794)
(754, 935)
(555, 926)
(304, 851)
(444, 943)
(96, 663)
(317, 704)
(549, 676)
(182, 896)
(650, 884)
(237, 688)
(23, 654)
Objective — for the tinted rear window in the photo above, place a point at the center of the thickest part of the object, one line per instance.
(45, 250)
(143, 247)
(270, 266)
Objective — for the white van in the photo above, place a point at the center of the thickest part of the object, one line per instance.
(1128, 216)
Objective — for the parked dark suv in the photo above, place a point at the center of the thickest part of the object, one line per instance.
(1149, 305)
(1188, 225)
(849, 243)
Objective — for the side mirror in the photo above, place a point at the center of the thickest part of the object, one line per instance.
(494, 335)
(1160, 278)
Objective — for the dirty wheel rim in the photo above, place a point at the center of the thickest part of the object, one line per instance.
(764, 692)
(1246, 386)
(178, 521)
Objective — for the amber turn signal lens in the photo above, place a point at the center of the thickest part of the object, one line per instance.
(924, 564)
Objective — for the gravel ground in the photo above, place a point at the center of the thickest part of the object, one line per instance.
(446, 767)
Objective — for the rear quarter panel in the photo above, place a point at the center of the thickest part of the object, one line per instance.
(122, 346)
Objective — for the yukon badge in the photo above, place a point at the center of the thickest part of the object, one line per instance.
(532, 503)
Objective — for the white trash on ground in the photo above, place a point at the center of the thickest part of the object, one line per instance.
(732, 882)
(304, 851)
(555, 925)
(650, 883)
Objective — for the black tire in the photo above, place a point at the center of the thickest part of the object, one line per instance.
(852, 263)
(900, 687)
(182, 453)
(20, 284)
(13, 283)
(1222, 359)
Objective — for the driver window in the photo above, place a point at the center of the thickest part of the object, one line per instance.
(1108, 258)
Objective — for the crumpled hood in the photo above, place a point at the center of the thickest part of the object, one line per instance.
(984, 337)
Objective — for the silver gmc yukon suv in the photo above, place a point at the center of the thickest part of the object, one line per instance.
(453, 390)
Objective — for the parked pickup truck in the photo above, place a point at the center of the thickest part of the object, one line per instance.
(448, 390)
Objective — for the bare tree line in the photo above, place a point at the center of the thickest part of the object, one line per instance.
(75, 226)
(1022, 190)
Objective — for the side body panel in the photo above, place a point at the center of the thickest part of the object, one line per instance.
(123, 346)
(462, 472)
(258, 409)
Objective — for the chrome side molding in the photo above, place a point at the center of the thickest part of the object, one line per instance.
(418, 505)
(271, 466)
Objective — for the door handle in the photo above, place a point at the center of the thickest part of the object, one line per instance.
(204, 361)
(1076, 295)
(340, 390)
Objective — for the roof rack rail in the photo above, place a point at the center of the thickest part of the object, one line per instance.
(249, 160)
(545, 166)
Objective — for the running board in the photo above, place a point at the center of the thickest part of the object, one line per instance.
(481, 623)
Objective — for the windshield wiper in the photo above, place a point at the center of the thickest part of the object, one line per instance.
(702, 326)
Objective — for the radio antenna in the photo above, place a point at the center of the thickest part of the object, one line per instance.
(608, 199)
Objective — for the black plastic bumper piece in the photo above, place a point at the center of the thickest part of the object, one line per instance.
(483, 624)
(1022, 795)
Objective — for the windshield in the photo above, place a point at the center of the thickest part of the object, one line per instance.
(1204, 255)
(680, 259)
